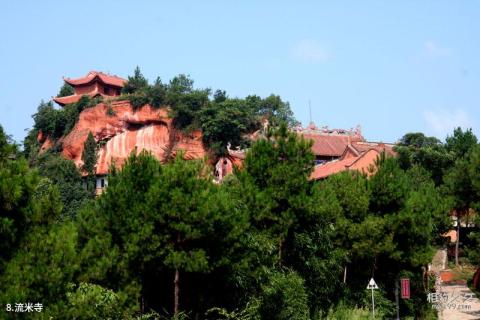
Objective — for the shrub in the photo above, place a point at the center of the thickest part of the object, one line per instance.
(284, 298)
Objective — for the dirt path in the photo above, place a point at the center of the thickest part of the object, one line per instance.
(460, 304)
(454, 301)
(439, 261)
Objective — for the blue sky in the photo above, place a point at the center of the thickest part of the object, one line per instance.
(392, 67)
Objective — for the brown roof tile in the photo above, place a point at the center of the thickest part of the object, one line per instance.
(330, 145)
(103, 77)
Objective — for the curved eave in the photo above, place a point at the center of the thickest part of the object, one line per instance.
(67, 100)
(74, 98)
(105, 79)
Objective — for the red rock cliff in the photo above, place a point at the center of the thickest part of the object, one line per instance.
(126, 131)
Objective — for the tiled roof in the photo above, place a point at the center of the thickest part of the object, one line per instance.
(362, 146)
(330, 144)
(67, 100)
(329, 168)
(103, 77)
(362, 163)
(74, 98)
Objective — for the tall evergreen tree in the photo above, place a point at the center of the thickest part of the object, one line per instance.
(89, 155)
(135, 83)
(159, 224)
(461, 142)
(89, 158)
(275, 177)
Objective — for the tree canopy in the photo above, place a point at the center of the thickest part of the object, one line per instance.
(166, 240)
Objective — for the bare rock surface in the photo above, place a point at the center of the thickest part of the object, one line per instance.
(120, 130)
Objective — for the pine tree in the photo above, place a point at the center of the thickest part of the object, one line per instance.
(89, 157)
(275, 179)
(159, 222)
(135, 83)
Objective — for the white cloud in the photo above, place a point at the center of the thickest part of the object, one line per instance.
(442, 122)
(309, 50)
(431, 49)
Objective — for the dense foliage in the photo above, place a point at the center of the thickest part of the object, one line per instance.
(56, 123)
(66, 90)
(221, 119)
(265, 244)
(164, 241)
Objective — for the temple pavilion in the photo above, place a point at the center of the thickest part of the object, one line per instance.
(93, 84)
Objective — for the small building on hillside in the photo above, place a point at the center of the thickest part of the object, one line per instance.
(225, 165)
(93, 84)
(101, 182)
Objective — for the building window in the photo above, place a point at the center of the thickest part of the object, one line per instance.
(106, 90)
(102, 183)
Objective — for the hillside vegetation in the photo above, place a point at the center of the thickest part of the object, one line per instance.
(164, 242)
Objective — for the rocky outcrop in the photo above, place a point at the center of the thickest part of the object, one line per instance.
(45, 141)
(119, 131)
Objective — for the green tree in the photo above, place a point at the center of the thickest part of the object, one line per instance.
(158, 223)
(460, 143)
(89, 158)
(225, 122)
(66, 90)
(56, 123)
(275, 177)
(419, 140)
(157, 93)
(284, 297)
(42, 268)
(310, 251)
(135, 83)
(89, 155)
(349, 194)
(185, 102)
(65, 175)
(8, 149)
(474, 174)
(276, 111)
(31, 239)
(220, 96)
(427, 152)
(188, 211)
(290, 218)
(386, 225)
(389, 188)
(23, 204)
(409, 214)
(71, 112)
(48, 120)
(91, 301)
(460, 191)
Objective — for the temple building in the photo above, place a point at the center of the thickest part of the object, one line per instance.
(93, 84)
(339, 150)
(329, 144)
(335, 150)
(358, 156)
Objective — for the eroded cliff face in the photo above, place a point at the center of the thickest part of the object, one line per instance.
(128, 131)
